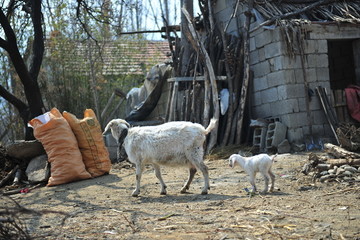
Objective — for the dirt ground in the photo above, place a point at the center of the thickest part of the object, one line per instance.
(102, 208)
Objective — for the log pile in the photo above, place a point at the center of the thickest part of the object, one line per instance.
(341, 165)
(349, 136)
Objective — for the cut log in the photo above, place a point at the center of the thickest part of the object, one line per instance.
(340, 152)
(343, 161)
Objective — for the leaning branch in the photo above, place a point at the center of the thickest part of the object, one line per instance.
(210, 69)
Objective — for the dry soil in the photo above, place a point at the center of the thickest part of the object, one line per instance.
(103, 208)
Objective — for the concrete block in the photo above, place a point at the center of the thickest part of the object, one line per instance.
(276, 35)
(261, 54)
(261, 69)
(302, 104)
(317, 60)
(273, 50)
(263, 39)
(284, 147)
(254, 57)
(276, 78)
(323, 74)
(259, 138)
(220, 6)
(299, 75)
(269, 95)
(291, 91)
(252, 44)
(291, 62)
(295, 120)
(260, 83)
(285, 106)
(315, 103)
(318, 130)
(275, 134)
(38, 169)
(311, 75)
(263, 111)
(295, 135)
(310, 46)
(256, 99)
(319, 117)
(321, 46)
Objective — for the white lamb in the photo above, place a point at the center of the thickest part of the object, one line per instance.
(169, 144)
(259, 163)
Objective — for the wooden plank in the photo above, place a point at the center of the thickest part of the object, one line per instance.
(327, 111)
(198, 78)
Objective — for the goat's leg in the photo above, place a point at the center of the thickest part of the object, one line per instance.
(204, 169)
(192, 171)
(195, 156)
(139, 170)
(272, 176)
(158, 175)
(266, 179)
(252, 181)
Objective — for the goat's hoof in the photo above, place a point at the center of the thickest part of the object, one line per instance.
(135, 194)
(204, 192)
(163, 193)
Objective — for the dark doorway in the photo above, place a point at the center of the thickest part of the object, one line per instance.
(341, 63)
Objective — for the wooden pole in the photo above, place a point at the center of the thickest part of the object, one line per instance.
(246, 71)
(210, 71)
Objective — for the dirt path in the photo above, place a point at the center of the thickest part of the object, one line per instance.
(103, 208)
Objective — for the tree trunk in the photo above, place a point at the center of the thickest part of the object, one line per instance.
(35, 105)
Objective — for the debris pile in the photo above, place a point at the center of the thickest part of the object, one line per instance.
(340, 165)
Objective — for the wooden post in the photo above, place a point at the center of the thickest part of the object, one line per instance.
(246, 71)
(210, 71)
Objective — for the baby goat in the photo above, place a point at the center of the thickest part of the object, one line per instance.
(260, 163)
(169, 144)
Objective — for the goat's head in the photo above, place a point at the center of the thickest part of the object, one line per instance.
(119, 129)
(233, 160)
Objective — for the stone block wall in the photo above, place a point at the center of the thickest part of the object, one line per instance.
(279, 84)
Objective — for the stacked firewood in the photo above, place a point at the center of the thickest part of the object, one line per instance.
(340, 165)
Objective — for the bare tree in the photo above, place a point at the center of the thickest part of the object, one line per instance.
(28, 75)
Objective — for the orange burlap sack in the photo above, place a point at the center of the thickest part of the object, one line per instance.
(61, 147)
(91, 143)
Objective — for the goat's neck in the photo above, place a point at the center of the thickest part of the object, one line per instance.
(241, 162)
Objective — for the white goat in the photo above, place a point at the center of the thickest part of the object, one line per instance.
(169, 144)
(259, 163)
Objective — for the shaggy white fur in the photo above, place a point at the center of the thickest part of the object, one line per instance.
(170, 144)
(259, 163)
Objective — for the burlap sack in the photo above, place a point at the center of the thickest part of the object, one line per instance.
(91, 143)
(61, 147)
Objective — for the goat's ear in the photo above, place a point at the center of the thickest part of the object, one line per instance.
(108, 126)
(127, 124)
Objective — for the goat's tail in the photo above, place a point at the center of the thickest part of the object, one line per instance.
(211, 126)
